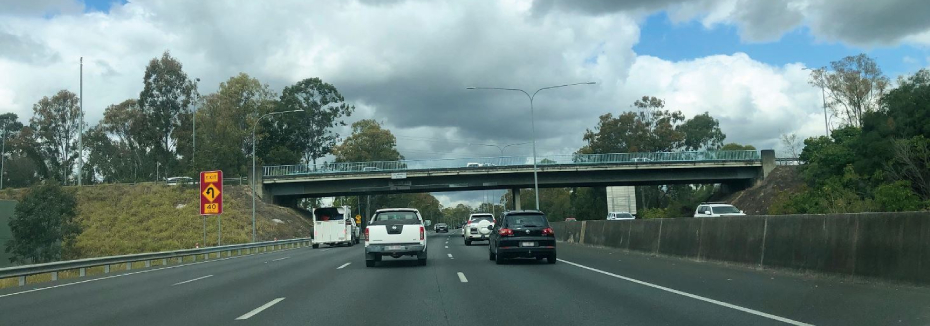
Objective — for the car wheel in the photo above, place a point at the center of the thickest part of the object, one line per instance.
(539, 258)
(467, 242)
(421, 262)
(551, 259)
(370, 263)
(315, 245)
(499, 260)
(491, 254)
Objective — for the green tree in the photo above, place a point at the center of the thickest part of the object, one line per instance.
(368, 142)
(650, 129)
(897, 197)
(43, 226)
(323, 108)
(702, 132)
(123, 136)
(737, 147)
(555, 202)
(56, 123)
(166, 97)
(224, 124)
(853, 87)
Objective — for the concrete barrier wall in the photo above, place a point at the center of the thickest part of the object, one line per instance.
(893, 246)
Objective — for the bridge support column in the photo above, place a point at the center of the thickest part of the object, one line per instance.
(768, 162)
(515, 193)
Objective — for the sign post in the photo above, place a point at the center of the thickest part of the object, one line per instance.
(211, 198)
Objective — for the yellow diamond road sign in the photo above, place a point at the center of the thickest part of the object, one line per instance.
(211, 193)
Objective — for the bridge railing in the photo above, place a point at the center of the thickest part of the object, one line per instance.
(509, 161)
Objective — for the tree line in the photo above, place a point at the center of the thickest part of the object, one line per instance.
(172, 130)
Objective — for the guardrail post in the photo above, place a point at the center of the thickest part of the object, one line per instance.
(206, 256)
(83, 272)
(22, 280)
(239, 252)
(129, 266)
(164, 261)
(106, 268)
(148, 263)
(180, 259)
(54, 276)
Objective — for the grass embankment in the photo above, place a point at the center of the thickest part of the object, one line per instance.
(127, 219)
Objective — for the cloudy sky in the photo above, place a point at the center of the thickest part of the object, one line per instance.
(407, 63)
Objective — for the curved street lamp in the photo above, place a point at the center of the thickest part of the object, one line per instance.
(533, 122)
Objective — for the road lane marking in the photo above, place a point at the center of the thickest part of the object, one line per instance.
(343, 265)
(447, 247)
(462, 278)
(450, 256)
(689, 295)
(127, 274)
(273, 260)
(259, 309)
(188, 281)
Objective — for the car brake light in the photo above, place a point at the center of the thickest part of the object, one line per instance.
(505, 232)
(422, 233)
(469, 222)
(548, 231)
(366, 234)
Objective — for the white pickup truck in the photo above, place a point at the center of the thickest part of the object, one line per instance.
(395, 232)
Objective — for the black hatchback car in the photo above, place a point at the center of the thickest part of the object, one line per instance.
(522, 234)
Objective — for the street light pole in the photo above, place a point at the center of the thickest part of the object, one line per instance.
(3, 154)
(533, 124)
(81, 133)
(253, 162)
(823, 97)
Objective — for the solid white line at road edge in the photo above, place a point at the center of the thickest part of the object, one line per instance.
(462, 278)
(188, 281)
(343, 265)
(259, 309)
(693, 296)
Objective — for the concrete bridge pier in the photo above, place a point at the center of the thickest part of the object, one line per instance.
(515, 194)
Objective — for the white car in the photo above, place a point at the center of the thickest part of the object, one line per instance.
(717, 210)
(395, 232)
(478, 228)
(619, 216)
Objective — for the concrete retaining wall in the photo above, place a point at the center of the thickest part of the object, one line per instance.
(893, 246)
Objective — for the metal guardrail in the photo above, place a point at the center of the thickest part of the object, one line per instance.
(82, 264)
(787, 161)
(506, 161)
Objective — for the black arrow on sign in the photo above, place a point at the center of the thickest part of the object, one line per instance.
(210, 192)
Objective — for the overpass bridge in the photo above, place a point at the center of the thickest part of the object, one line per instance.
(735, 169)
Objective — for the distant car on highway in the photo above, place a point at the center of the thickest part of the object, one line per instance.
(177, 181)
(441, 227)
(642, 159)
(717, 210)
(618, 216)
(570, 219)
(370, 169)
(395, 232)
(473, 165)
(478, 227)
(522, 234)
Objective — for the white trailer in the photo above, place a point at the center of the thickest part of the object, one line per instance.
(334, 226)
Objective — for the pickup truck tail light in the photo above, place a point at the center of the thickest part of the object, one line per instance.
(548, 231)
(422, 233)
(366, 235)
(505, 232)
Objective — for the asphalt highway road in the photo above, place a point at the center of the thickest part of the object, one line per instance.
(460, 286)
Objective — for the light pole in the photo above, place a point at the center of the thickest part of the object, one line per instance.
(253, 162)
(533, 123)
(2, 154)
(81, 127)
(823, 96)
(194, 137)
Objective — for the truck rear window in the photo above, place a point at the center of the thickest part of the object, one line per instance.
(398, 217)
(527, 220)
(479, 218)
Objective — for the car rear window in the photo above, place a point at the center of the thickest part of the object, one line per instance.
(527, 220)
(327, 214)
(624, 215)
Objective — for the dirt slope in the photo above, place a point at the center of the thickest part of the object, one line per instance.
(756, 200)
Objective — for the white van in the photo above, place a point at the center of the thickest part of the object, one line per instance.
(334, 226)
